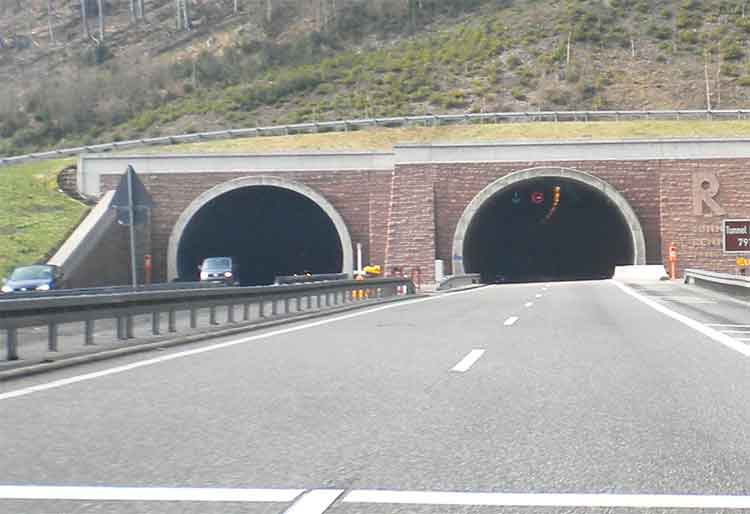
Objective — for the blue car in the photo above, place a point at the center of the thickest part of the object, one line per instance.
(42, 277)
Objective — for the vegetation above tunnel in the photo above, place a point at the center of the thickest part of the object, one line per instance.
(379, 58)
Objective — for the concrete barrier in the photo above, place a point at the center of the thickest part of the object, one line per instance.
(96, 253)
(733, 285)
(455, 281)
(646, 273)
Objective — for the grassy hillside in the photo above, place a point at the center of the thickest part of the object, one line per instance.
(383, 58)
(35, 217)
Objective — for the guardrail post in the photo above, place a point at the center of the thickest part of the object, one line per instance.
(286, 305)
(274, 306)
(120, 328)
(12, 343)
(328, 299)
(88, 329)
(129, 326)
(155, 323)
(172, 320)
(245, 311)
(193, 317)
(298, 304)
(52, 335)
(212, 315)
(261, 310)
(230, 313)
(309, 302)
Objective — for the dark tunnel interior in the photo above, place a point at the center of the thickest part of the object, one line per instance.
(547, 229)
(271, 231)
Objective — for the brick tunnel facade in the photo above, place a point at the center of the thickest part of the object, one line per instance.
(405, 208)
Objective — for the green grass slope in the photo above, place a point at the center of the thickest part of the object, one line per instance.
(35, 217)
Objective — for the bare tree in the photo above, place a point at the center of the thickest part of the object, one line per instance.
(84, 19)
(49, 22)
(132, 11)
(235, 7)
(100, 6)
(141, 9)
(183, 14)
(269, 11)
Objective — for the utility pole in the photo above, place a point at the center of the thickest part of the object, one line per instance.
(100, 5)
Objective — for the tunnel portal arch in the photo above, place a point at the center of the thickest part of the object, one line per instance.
(473, 210)
(235, 185)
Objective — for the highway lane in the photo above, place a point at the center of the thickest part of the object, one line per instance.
(560, 388)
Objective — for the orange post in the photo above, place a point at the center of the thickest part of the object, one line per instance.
(672, 261)
(147, 267)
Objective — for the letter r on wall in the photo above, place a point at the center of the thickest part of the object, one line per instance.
(705, 188)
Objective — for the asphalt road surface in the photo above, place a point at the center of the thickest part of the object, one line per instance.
(554, 398)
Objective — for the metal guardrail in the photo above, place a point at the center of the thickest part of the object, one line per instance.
(735, 285)
(103, 290)
(396, 121)
(309, 279)
(454, 281)
(272, 301)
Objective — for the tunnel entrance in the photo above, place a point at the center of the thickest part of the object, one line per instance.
(547, 228)
(269, 230)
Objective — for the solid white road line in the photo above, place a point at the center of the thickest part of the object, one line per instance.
(528, 304)
(690, 322)
(727, 325)
(172, 494)
(218, 346)
(468, 361)
(316, 501)
(735, 331)
(538, 296)
(663, 501)
(510, 321)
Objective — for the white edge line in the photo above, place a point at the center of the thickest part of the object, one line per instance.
(467, 362)
(510, 321)
(726, 325)
(550, 500)
(717, 336)
(528, 304)
(316, 501)
(735, 331)
(148, 362)
(191, 494)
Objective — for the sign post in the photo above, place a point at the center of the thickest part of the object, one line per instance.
(131, 201)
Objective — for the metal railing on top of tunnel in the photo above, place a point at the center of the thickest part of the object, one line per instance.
(395, 121)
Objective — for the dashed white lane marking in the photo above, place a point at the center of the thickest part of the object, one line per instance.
(717, 336)
(528, 304)
(316, 501)
(468, 361)
(510, 321)
(218, 346)
(538, 295)
(663, 501)
(187, 494)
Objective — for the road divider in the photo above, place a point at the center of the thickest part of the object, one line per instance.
(271, 302)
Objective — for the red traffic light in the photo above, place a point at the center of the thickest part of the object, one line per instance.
(537, 197)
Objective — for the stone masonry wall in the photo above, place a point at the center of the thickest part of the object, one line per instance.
(407, 217)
